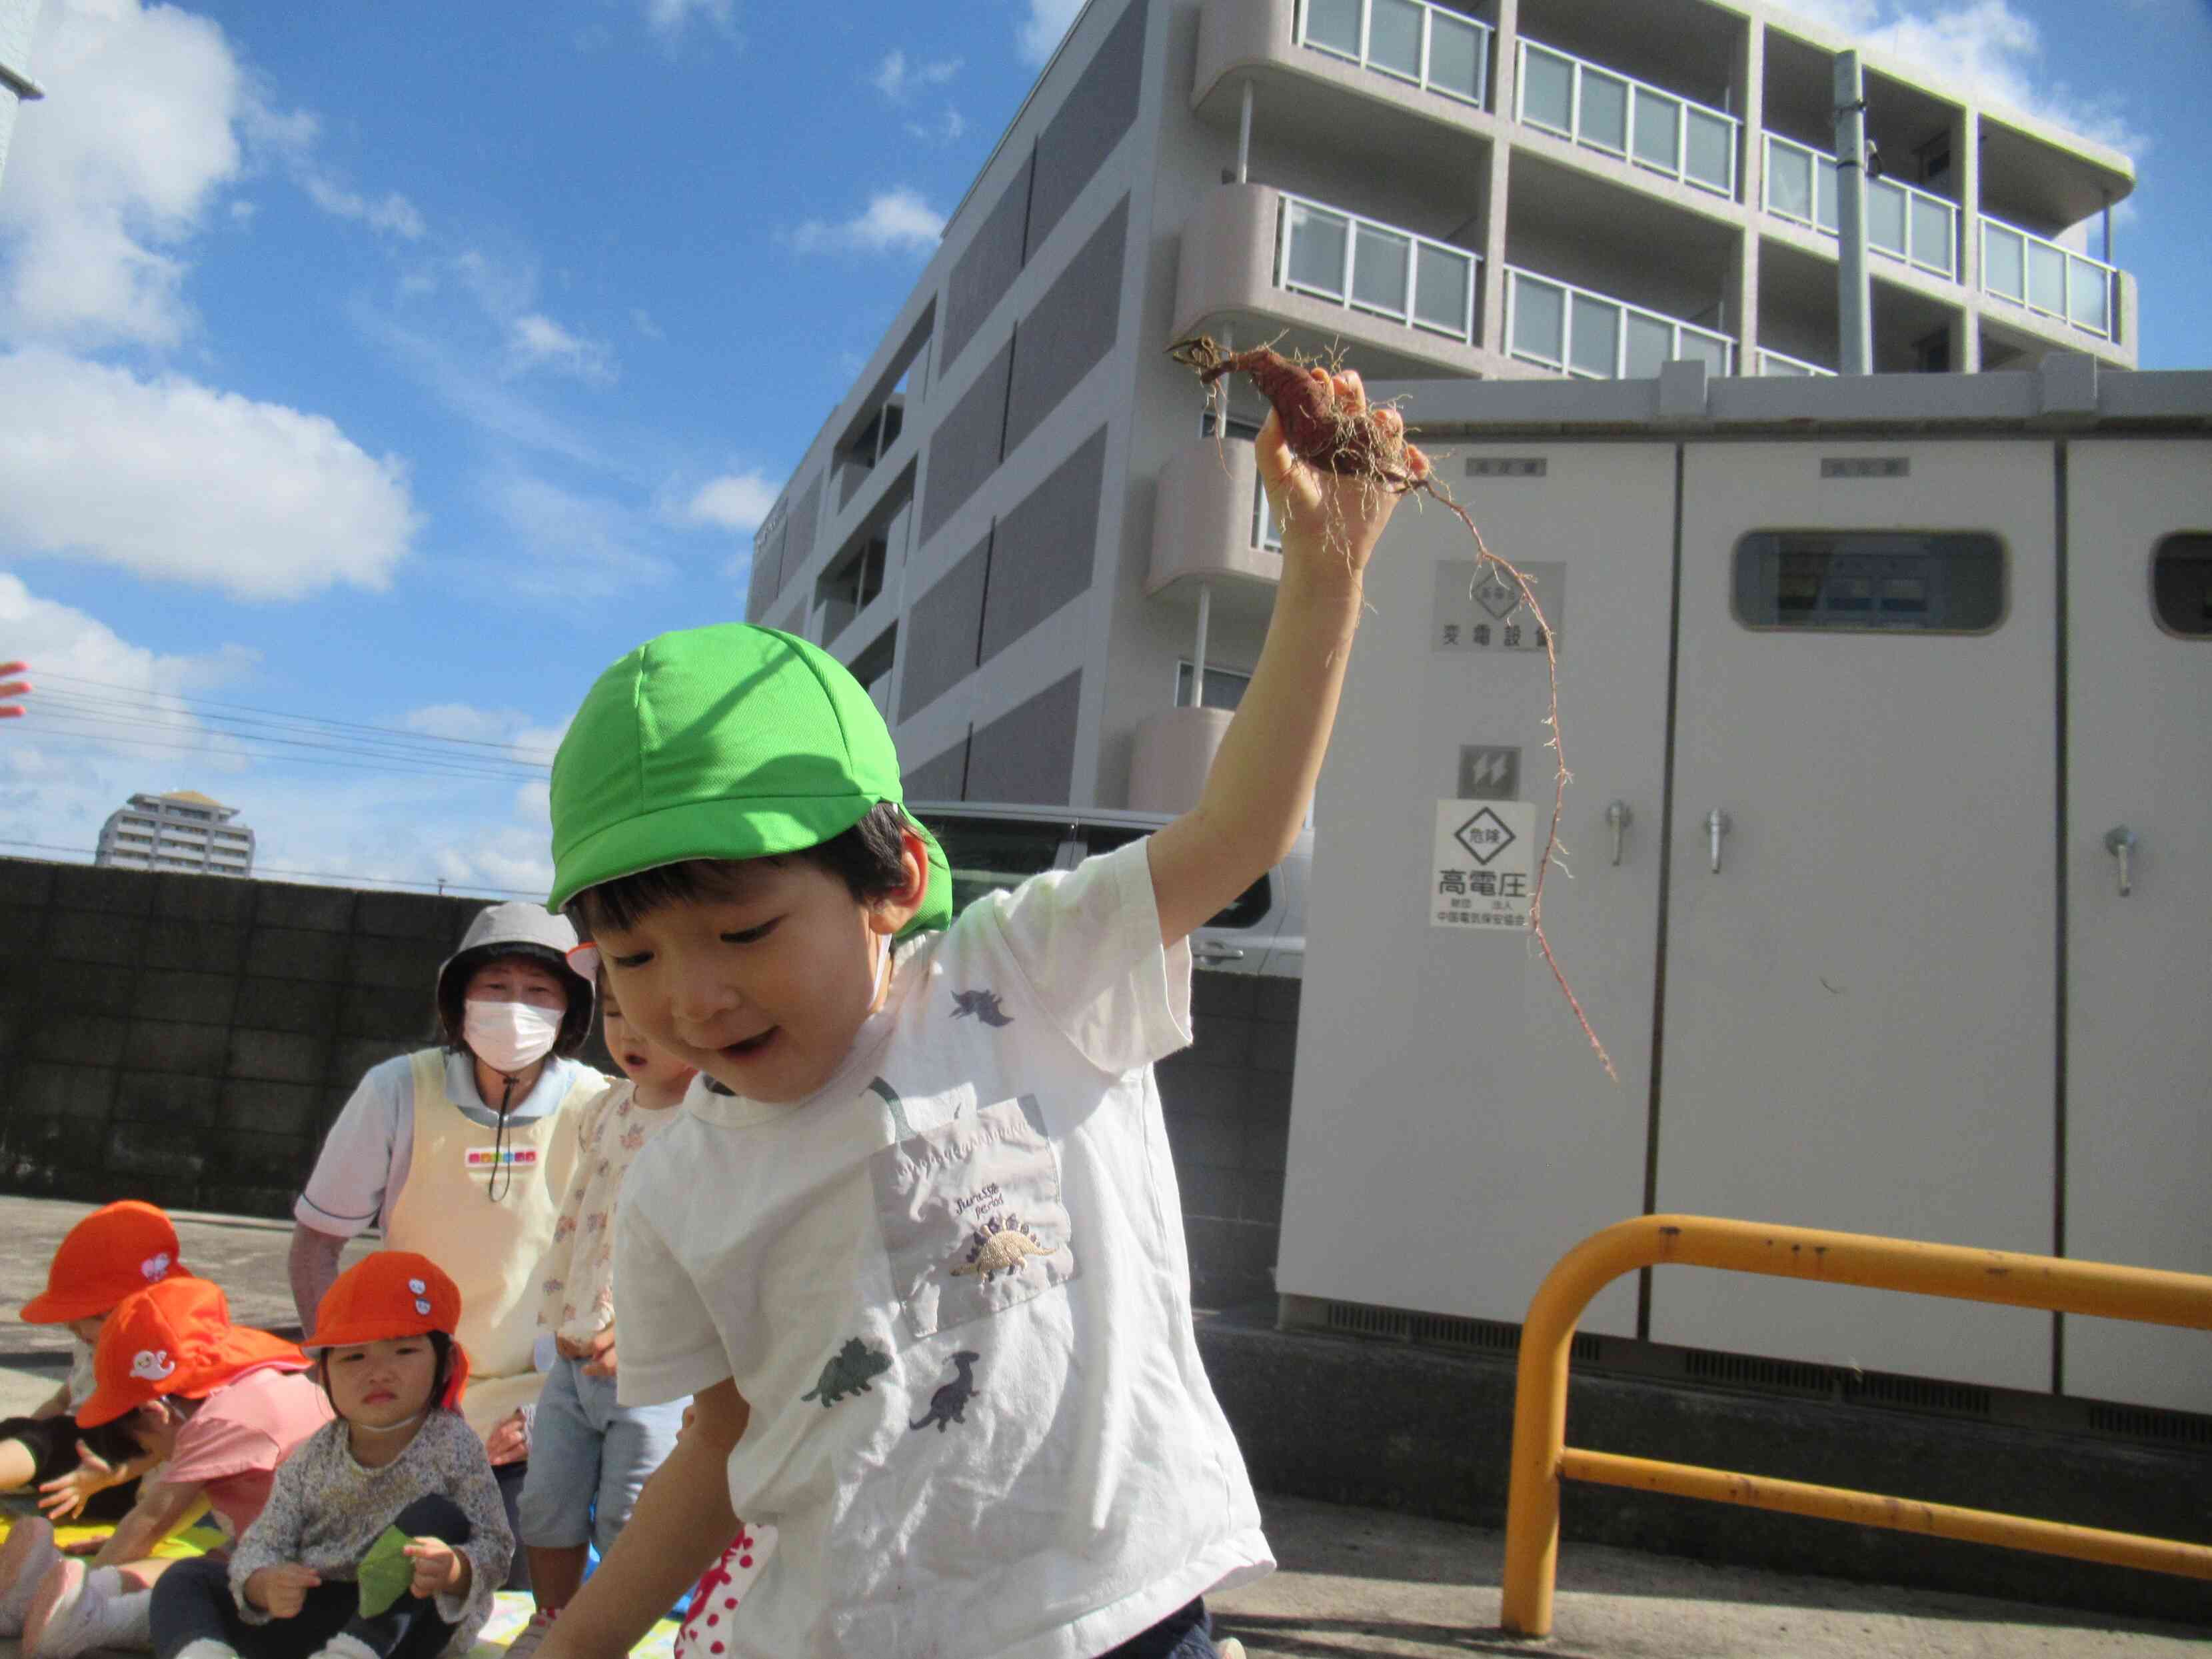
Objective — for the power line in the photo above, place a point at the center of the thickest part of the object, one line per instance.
(45, 678)
(99, 728)
(304, 735)
(326, 875)
(97, 719)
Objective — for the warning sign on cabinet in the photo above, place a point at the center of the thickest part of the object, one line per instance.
(1482, 609)
(1485, 867)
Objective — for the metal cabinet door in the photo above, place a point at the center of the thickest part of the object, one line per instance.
(1452, 1132)
(2139, 995)
(1859, 1002)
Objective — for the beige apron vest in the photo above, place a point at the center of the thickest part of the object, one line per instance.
(493, 1251)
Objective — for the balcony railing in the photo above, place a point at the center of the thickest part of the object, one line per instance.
(1781, 365)
(1903, 220)
(1265, 532)
(1430, 47)
(1369, 266)
(2034, 271)
(1593, 337)
(1622, 116)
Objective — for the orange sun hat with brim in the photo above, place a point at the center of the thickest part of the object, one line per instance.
(175, 1338)
(113, 1253)
(391, 1294)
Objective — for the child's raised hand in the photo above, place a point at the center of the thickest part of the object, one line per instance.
(440, 1570)
(281, 1590)
(1330, 520)
(64, 1496)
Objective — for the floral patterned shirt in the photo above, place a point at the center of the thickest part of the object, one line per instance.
(325, 1509)
(578, 1290)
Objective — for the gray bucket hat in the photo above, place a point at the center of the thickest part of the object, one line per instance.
(513, 929)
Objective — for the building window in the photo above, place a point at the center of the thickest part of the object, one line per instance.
(2181, 585)
(1870, 581)
(873, 668)
(1225, 687)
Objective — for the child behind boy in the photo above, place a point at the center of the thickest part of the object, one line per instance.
(589, 1456)
(219, 1405)
(118, 1249)
(915, 1245)
(397, 1457)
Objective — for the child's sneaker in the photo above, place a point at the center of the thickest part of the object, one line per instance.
(28, 1556)
(527, 1638)
(73, 1611)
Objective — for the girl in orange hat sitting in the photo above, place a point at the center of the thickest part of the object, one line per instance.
(384, 1536)
(118, 1249)
(221, 1405)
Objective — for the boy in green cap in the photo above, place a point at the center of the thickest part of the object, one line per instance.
(915, 1248)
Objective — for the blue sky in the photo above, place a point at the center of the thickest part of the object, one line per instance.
(405, 376)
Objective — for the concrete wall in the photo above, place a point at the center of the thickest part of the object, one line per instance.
(187, 1039)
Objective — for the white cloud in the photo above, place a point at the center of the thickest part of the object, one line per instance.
(391, 212)
(536, 341)
(1041, 31)
(115, 170)
(736, 500)
(641, 320)
(82, 750)
(895, 77)
(668, 18)
(894, 220)
(290, 136)
(946, 130)
(565, 545)
(178, 480)
(1984, 48)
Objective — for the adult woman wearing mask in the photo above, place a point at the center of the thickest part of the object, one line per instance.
(464, 1154)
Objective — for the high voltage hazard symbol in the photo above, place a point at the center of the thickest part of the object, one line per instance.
(1485, 835)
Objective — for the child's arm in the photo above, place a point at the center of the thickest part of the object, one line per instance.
(163, 1507)
(1255, 801)
(682, 1521)
(54, 1404)
(267, 1578)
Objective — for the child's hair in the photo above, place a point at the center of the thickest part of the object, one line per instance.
(867, 858)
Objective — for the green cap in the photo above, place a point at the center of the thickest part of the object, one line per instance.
(731, 742)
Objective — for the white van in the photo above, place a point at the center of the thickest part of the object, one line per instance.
(991, 847)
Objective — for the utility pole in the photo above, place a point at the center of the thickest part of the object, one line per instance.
(1854, 298)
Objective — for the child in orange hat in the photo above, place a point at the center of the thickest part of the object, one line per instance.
(219, 1405)
(384, 1536)
(118, 1249)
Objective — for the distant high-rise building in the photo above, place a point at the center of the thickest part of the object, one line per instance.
(181, 830)
(17, 19)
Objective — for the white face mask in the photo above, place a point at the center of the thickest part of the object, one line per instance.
(508, 1037)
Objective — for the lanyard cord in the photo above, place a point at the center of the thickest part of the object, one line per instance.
(492, 1190)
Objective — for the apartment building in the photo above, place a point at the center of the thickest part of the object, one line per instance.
(17, 19)
(1020, 526)
(181, 830)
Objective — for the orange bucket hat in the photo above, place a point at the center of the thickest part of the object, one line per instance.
(176, 1338)
(391, 1294)
(118, 1249)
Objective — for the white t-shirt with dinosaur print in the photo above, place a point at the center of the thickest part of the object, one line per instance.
(952, 1286)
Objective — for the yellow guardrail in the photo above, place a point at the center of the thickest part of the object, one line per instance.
(1542, 1459)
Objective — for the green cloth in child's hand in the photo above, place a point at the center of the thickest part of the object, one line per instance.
(385, 1572)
